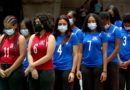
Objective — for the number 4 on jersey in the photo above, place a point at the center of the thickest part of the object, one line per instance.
(60, 49)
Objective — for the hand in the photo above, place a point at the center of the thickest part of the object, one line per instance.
(31, 67)
(103, 76)
(8, 72)
(34, 74)
(123, 65)
(71, 77)
(26, 72)
(2, 74)
(79, 75)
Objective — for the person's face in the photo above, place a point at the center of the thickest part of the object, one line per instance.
(9, 26)
(62, 26)
(111, 12)
(71, 18)
(91, 19)
(23, 26)
(37, 21)
(127, 24)
(62, 22)
(105, 22)
(70, 15)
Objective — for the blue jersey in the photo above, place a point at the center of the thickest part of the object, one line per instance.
(92, 49)
(125, 45)
(25, 62)
(63, 55)
(118, 23)
(78, 33)
(113, 33)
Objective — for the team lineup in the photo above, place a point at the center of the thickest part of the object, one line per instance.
(46, 54)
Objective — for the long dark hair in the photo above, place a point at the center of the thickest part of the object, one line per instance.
(116, 13)
(68, 32)
(126, 19)
(100, 26)
(29, 25)
(13, 21)
(45, 20)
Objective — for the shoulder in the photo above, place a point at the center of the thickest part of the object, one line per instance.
(51, 37)
(32, 36)
(21, 39)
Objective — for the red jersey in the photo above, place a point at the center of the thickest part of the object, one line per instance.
(39, 49)
(8, 55)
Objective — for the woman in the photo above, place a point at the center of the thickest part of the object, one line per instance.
(72, 15)
(125, 55)
(40, 51)
(26, 31)
(65, 55)
(114, 39)
(115, 17)
(12, 54)
(94, 61)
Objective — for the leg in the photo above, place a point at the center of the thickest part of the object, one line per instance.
(66, 85)
(15, 80)
(47, 80)
(128, 79)
(122, 78)
(87, 78)
(113, 76)
(76, 84)
(58, 80)
(97, 74)
(3, 84)
(33, 84)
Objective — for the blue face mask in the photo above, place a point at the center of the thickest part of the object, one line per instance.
(9, 32)
(24, 32)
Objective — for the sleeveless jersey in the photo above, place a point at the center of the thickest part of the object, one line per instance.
(39, 49)
(8, 54)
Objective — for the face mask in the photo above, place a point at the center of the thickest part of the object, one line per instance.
(127, 28)
(71, 21)
(9, 31)
(92, 26)
(24, 32)
(106, 26)
(38, 28)
(62, 28)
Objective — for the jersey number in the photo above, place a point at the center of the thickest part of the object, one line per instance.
(90, 43)
(124, 40)
(6, 52)
(35, 48)
(60, 49)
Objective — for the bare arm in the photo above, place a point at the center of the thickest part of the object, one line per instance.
(75, 57)
(22, 49)
(104, 51)
(80, 51)
(30, 59)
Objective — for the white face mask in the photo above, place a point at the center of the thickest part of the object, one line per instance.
(92, 26)
(71, 21)
(62, 28)
(127, 28)
(9, 31)
(24, 32)
(106, 26)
